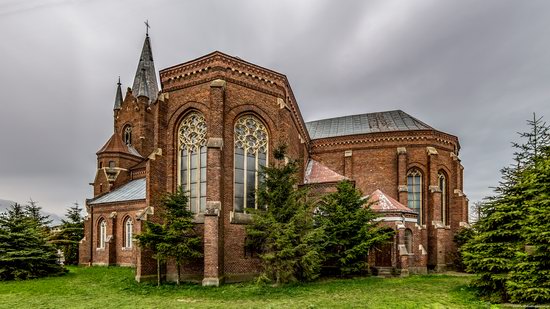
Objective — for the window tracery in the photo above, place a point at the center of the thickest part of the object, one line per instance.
(192, 160)
(251, 148)
(414, 196)
(127, 135)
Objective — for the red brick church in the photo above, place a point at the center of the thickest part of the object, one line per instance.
(215, 121)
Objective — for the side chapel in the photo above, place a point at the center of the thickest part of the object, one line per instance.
(215, 121)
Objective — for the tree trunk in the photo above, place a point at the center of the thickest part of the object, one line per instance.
(158, 272)
(178, 266)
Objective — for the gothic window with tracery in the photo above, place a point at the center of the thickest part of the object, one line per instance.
(414, 196)
(102, 234)
(251, 148)
(127, 135)
(443, 188)
(128, 232)
(192, 160)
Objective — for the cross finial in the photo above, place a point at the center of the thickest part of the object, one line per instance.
(147, 27)
(119, 81)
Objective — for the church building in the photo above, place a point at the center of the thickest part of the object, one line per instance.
(214, 122)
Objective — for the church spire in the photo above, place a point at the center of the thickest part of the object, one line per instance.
(145, 80)
(118, 97)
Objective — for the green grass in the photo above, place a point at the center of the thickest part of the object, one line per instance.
(114, 287)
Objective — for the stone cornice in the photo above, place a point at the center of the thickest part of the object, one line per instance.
(395, 136)
(237, 71)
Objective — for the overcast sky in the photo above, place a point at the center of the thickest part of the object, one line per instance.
(475, 69)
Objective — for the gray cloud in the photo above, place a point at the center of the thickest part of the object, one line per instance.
(476, 69)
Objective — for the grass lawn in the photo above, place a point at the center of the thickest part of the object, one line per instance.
(114, 287)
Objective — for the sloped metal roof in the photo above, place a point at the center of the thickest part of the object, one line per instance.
(365, 123)
(384, 203)
(134, 190)
(145, 80)
(318, 173)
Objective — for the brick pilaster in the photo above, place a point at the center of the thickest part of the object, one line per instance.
(213, 244)
(402, 175)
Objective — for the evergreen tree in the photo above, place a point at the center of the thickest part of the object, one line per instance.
(185, 244)
(350, 229)
(175, 237)
(283, 233)
(24, 251)
(34, 212)
(499, 240)
(530, 277)
(69, 235)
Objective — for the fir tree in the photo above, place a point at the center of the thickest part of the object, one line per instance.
(350, 229)
(34, 212)
(69, 235)
(185, 244)
(175, 237)
(499, 240)
(283, 233)
(24, 251)
(530, 277)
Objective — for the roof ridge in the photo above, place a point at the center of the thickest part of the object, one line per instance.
(351, 115)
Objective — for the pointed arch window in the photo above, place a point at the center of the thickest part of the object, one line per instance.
(409, 241)
(128, 232)
(251, 148)
(192, 160)
(414, 196)
(127, 135)
(102, 236)
(444, 206)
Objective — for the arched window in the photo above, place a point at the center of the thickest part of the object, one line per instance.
(409, 241)
(192, 160)
(128, 232)
(127, 135)
(251, 147)
(102, 236)
(414, 197)
(444, 205)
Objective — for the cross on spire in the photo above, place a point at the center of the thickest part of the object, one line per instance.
(147, 27)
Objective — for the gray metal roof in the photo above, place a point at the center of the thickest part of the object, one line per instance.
(366, 123)
(145, 80)
(134, 190)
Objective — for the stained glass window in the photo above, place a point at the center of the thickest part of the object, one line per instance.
(251, 147)
(102, 234)
(443, 188)
(127, 135)
(414, 198)
(192, 160)
(128, 233)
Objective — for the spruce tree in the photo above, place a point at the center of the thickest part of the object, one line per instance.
(499, 240)
(185, 244)
(69, 235)
(350, 229)
(529, 280)
(283, 232)
(24, 251)
(34, 212)
(175, 237)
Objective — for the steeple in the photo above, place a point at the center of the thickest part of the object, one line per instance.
(145, 81)
(118, 97)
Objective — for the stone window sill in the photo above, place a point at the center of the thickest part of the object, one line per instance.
(240, 218)
(199, 218)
